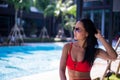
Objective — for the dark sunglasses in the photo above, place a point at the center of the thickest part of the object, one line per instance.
(76, 29)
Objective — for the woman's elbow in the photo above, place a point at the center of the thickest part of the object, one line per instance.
(113, 58)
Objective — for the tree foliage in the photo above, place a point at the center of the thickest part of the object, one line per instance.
(20, 4)
(49, 11)
(41, 4)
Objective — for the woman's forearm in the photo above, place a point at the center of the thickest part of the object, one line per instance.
(109, 49)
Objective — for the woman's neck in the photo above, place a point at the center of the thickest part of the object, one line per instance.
(82, 43)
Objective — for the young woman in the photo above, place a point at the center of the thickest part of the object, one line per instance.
(79, 56)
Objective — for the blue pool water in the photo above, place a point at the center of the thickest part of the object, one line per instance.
(17, 61)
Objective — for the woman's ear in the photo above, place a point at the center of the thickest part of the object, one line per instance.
(86, 34)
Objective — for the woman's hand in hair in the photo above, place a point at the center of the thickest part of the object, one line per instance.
(98, 35)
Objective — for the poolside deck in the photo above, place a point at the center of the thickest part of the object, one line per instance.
(50, 75)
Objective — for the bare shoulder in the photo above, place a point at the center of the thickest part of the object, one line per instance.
(99, 50)
(101, 54)
(65, 51)
(67, 46)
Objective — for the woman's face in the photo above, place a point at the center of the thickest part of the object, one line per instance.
(79, 31)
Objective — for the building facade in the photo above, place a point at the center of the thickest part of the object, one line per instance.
(105, 14)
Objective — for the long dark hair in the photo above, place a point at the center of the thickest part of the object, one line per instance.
(91, 41)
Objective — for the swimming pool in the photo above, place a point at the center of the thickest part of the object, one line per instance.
(17, 61)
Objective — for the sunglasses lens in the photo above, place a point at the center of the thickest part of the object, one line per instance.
(76, 29)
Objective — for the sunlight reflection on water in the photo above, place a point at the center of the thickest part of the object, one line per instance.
(17, 61)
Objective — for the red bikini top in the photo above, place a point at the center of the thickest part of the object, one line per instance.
(77, 66)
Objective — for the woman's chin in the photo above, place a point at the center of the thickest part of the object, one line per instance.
(75, 39)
